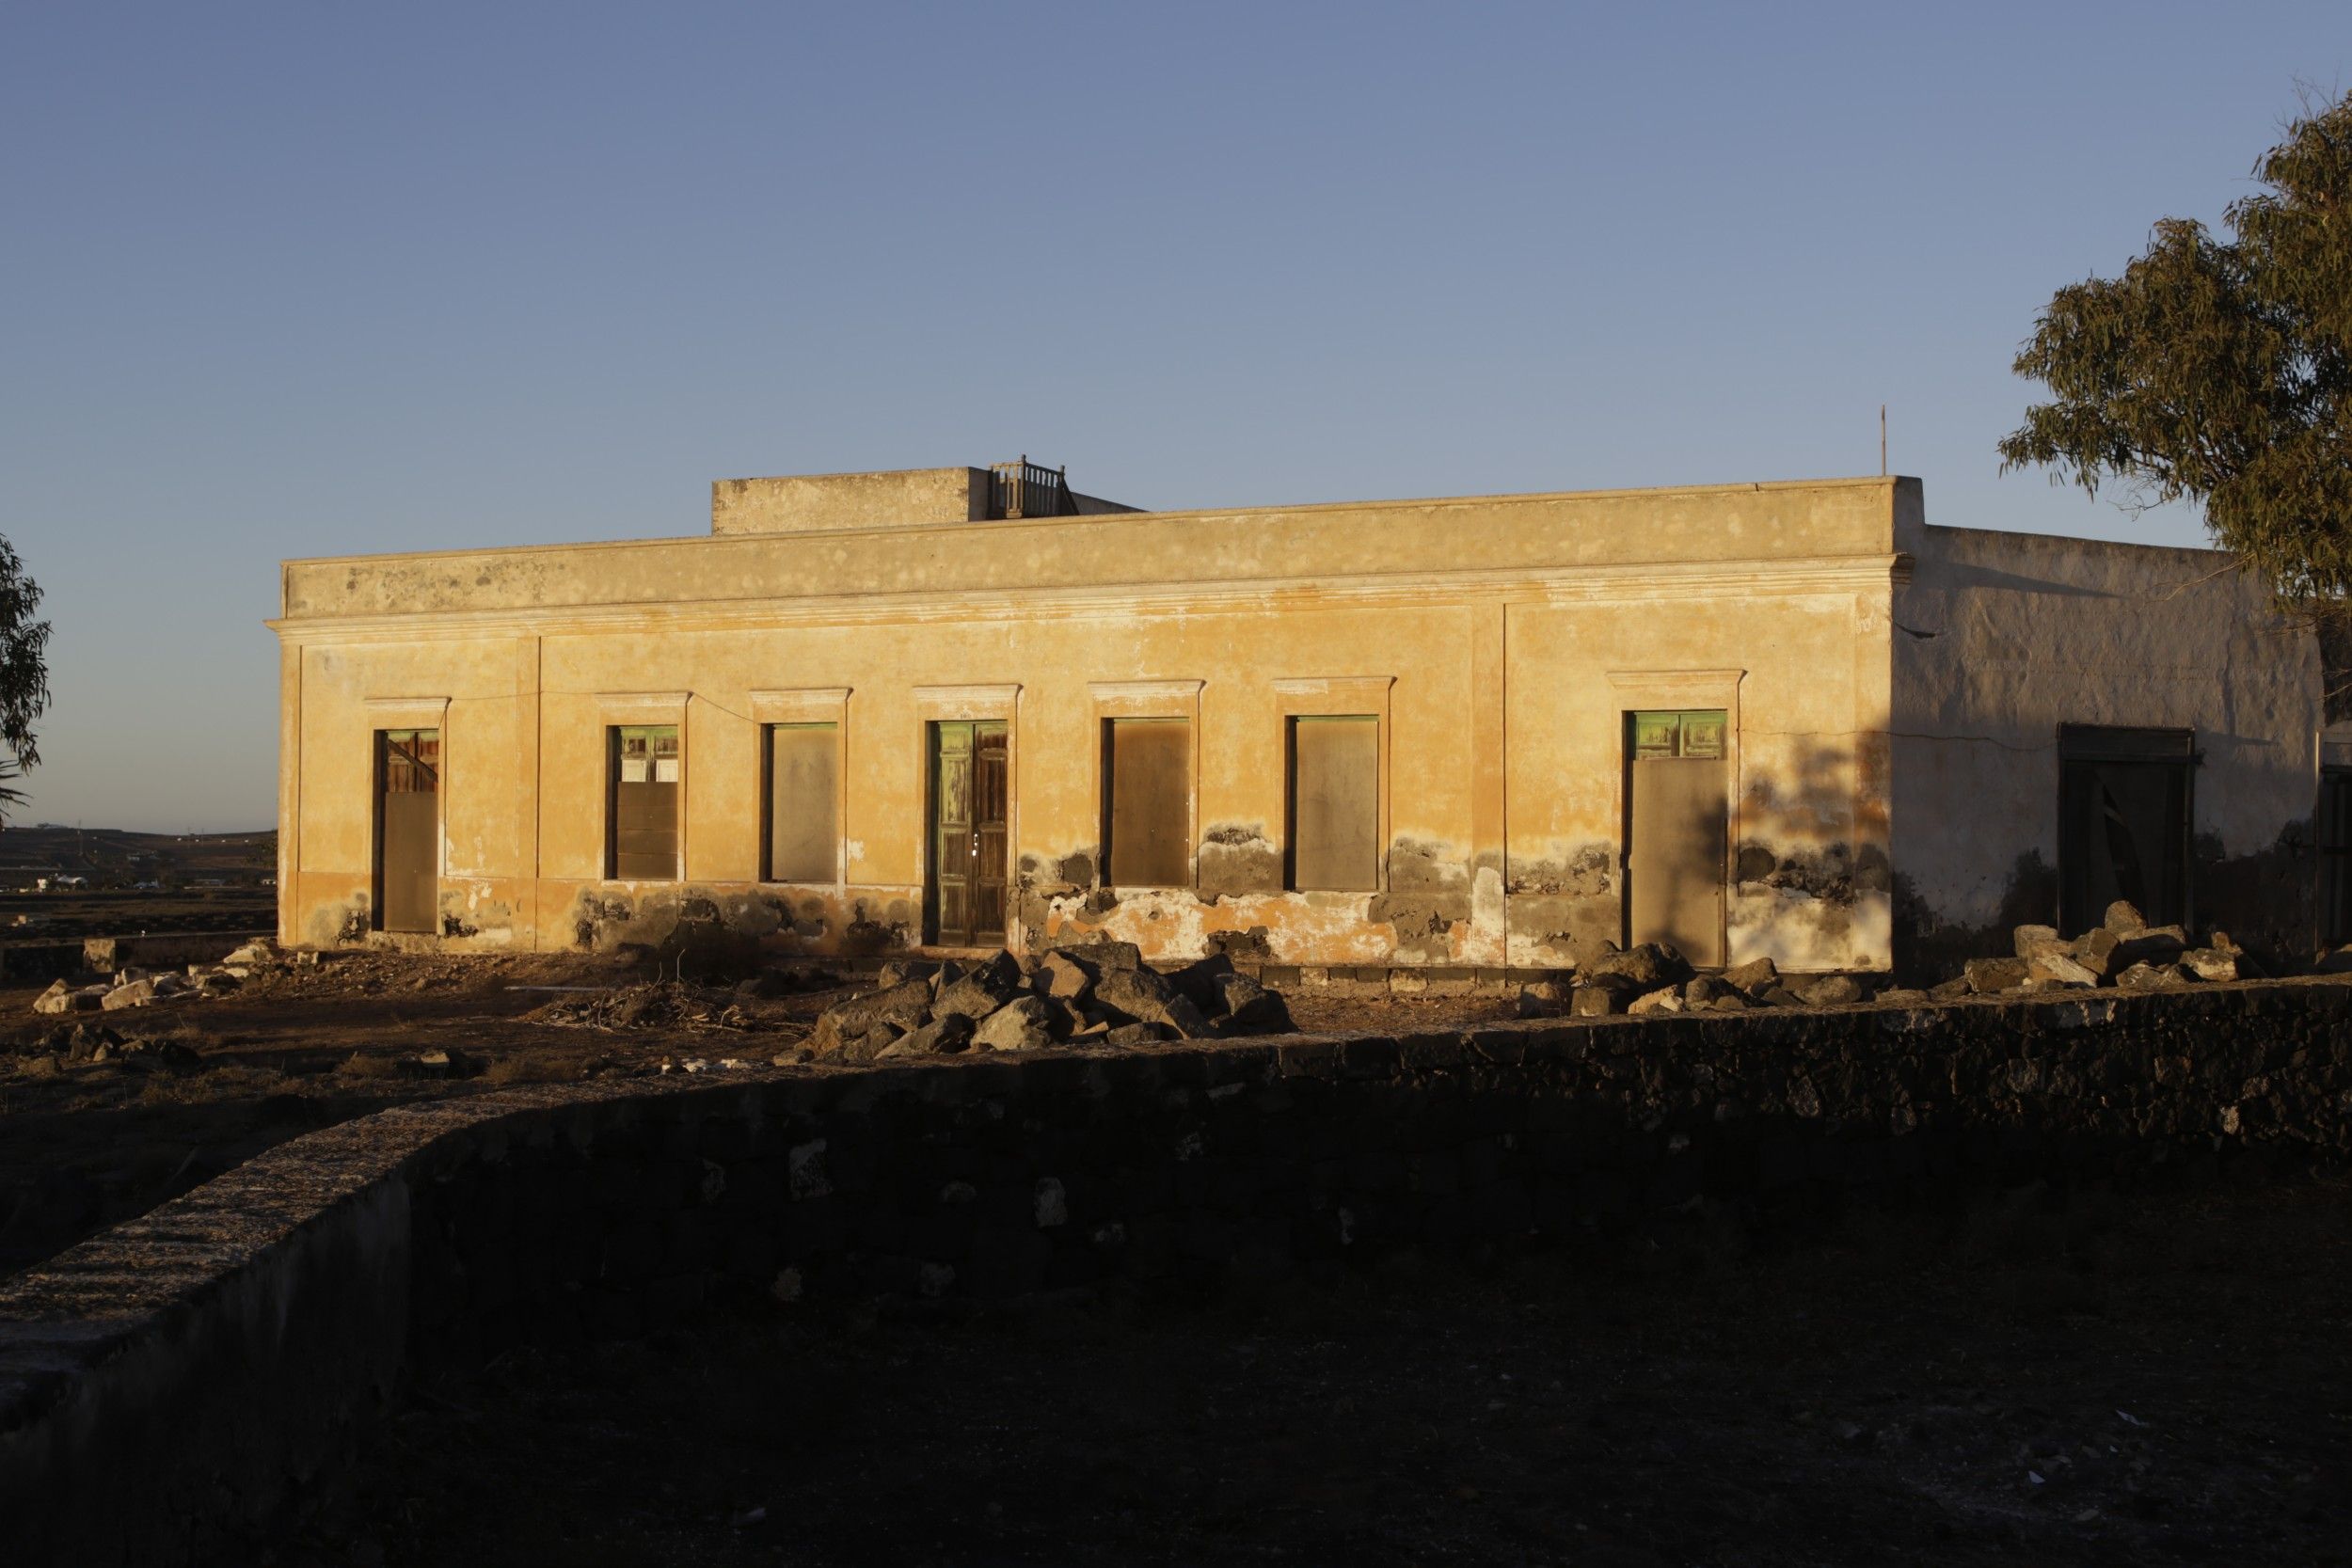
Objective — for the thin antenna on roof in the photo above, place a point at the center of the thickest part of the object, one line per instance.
(1881, 440)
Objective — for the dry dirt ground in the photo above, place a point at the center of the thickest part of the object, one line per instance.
(2167, 1380)
(84, 1146)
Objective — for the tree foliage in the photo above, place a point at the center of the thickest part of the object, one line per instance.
(23, 671)
(2219, 371)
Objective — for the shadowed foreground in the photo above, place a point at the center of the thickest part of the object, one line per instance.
(2162, 1379)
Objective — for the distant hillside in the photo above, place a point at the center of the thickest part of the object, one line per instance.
(118, 856)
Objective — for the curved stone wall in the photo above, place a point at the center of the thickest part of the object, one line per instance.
(171, 1384)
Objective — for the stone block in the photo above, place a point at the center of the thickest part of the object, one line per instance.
(2151, 977)
(2096, 949)
(945, 1035)
(1828, 991)
(133, 994)
(2057, 967)
(1061, 975)
(2030, 940)
(2210, 963)
(1984, 977)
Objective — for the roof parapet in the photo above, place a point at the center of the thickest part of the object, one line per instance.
(898, 498)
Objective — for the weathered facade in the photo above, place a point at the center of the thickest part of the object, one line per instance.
(958, 708)
(2078, 720)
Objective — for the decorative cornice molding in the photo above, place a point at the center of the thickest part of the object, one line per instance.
(1680, 687)
(1355, 687)
(658, 707)
(967, 702)
(1146, 692)
(787, 705)
(1617, 584)
(996, 530)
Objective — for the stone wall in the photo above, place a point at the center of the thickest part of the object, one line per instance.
(63, 958)
(170, 1385)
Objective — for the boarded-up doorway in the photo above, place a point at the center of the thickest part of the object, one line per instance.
(1334, 817)
(2335, 856)
(1677, 811)
(970, 796)
(408, 830)
(1147, 803)
(2123, 823)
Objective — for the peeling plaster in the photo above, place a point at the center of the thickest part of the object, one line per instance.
(473, 915)
(345, 923)
(608, 917)
(1430, 901)
(1586, 870)
(1238, 858)
(1486, 937)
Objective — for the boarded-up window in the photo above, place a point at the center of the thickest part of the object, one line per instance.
(1335, 802)
(804, 823)
(642, 809)
(1147, 806)
(2123, 823)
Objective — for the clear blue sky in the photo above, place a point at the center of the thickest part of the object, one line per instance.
(311, 279)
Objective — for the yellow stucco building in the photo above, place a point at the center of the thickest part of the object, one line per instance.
(965, 707)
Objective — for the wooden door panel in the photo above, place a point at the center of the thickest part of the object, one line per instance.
(2335, 856)
(991, 812)
(2122, 833)
(971, 783)
(951, 833)
(408, 831)
(1674, 872)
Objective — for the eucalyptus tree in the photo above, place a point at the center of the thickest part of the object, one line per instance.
(2217, 370)
(24, 672)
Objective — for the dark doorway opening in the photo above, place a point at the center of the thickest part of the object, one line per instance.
(2335, 856)
(2125, 802)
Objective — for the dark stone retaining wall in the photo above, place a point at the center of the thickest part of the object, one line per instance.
(173, 1383)
(63, 958)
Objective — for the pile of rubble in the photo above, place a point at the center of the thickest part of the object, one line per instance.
(1100, 994)
(1654, 978)
(142, 988)
(2123, 950)
(95, 1045)
(658, 1005)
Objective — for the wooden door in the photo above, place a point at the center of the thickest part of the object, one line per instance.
(408, 830)
(1678, 814)
(2124, 809)
(970, 797)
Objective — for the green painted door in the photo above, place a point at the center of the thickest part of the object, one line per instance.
(965, 896)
